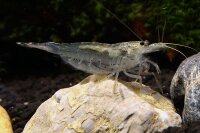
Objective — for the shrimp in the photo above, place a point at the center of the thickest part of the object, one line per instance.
(103, 58)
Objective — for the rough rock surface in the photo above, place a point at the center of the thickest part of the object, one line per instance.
(5, 124)
(186, 83)
(95, 105)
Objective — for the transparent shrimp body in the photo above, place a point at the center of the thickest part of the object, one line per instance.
(101, 58)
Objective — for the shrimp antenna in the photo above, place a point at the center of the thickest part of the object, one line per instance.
(176, 50)
(158, 35)
(163, 31)
(182, 46)
(115, 16)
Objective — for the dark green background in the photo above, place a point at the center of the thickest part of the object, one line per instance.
(81, 20)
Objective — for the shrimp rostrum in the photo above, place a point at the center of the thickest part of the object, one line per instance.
(103, 58)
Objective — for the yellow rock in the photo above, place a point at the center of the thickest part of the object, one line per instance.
(5, 124)
(102, 105)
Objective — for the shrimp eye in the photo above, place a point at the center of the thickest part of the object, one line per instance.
(146, 43)
(142, 43)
